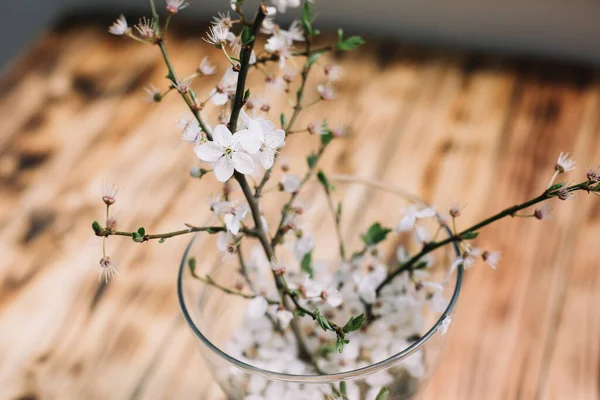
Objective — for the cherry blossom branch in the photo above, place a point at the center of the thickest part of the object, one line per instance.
(106, 232)
(559, 190)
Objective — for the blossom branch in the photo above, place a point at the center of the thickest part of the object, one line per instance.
(557, 190)
(106, 232)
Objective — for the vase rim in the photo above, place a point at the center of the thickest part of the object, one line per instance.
(325, 378)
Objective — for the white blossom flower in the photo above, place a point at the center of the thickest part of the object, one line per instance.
(226, 244)
(284, 317)
(109, 193)
(152, 94)
(565, 194)
(291, 183)
(277, 45)
(282, 5)
(173, 6)
(564, 163)
(316, 128)
(119, 27)
(410, 216)
(295, 33)
(269, 26)
(289, 74)
(257, 307)
(467, 259)
(227, 152)
(145, 27)
(455, 210)
(334, 72)
(223, 20)
(492, 258)
(402, 255)
(192, 133)
(326, 91)
(269, 139)
(421, 235)
(593, 174)
(332, 296)
(225, 88)
(234, 217)
(217, 36)
(543, 212)
(107, 269)
(445, 325)
(303, 245)
(184, 85)
(206, 68)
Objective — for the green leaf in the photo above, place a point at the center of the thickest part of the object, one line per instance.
(314, 57)
(348, 44)
(340, 342)
(326, 349)
(246, 95)
(137, 237)
(299, 313)
(338, 215)
(245, 35)
(307, 19)
(324, 181)
(311, 160)
(96, 227)
(375, 234)
(326, 138)
(343, 389)
(469, 235)
(283, 120)
(383, 394)
(554, 187)
(354, 323)
(192, 265)
(141, 231)
(162, 240)
(322, 321)
(306, 264)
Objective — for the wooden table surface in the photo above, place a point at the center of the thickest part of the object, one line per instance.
(449, 126)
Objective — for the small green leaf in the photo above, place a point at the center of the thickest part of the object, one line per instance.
(245, 35)
(340, 342)
(326, 138)
(343, 389)
(314, 57)
(324, 181)
(307, 19)
(306, 264)
(299, 313)
(192, 265)
(469, 235)
(375, 234)
(354, 323)
(246, 95)
(338, 215)
(141, 231)
(137, 237)
(162, 240)
(383, 394)
(348, 44)
(283, 120)
(311, 160)
(554, 187)
(96, 227)
(326, 349)
(322, 321)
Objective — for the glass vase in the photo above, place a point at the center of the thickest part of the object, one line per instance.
(394, 353)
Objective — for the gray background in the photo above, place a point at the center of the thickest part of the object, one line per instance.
(566, 28)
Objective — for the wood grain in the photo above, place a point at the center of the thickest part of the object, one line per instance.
(450, 126)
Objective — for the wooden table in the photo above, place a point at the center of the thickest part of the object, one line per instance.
(479, 129)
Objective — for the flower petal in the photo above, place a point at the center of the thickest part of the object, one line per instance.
(209, 151)
(277, 139)
(222, 135)
(223, 169)
(242, 162)
(267, 158)
(250, 140)
(257, 307)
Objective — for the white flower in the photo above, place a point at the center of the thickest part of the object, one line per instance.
(225, 88)
(303, 246)
(326, 91)
(543, 212)
(277, 45)
(445, 325)
(269, 26)
(564, 163)
(291, 183)
(333, 72)
(107, 269)
(206, 68)
(217, 36)
(226, 244)
(119, 27)
(410, 216)
(257, 307)
(284, 317)
(183, 86)
(234, 217)
(152, 94)
(109, 193)
(226, 153)
(421, 235)
(402, 255)
(282, 5)
(269, 139)
(492, 258)
(223, 21)
(145, 27)
(332, 296)
(316, 127)
(467, 259)
(173, 6)
(192, 133)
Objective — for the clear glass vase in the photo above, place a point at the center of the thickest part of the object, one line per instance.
(252, 359)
